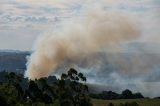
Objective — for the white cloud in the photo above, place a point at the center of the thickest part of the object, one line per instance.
(43, 14)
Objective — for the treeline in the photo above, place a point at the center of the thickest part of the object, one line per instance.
(109, 95)
(125, 104)
(69, 90)
(15, 90)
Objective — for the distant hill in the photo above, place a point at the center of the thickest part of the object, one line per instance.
(11, 60)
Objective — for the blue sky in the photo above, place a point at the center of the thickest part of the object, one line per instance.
(22, 21)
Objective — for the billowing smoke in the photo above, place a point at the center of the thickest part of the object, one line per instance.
(78, 39)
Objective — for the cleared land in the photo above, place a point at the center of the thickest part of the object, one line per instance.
(141, 102)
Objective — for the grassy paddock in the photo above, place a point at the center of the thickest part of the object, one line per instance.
(141, 102)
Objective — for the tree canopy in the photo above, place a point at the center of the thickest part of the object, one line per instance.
(69, 90)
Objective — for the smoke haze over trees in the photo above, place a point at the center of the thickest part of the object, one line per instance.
(115, 43)
(68, 90)
(103, 76)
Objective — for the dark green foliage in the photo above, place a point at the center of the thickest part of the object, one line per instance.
(126, 94)
(70, 91)
(67, 91)
(138, 95)
(9, 94)
(109, 95)
(3, 101)
(10, 90)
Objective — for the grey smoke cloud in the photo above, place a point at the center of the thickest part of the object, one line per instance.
(134, 66)
(78, 39)
(138, 71)
(85, 43)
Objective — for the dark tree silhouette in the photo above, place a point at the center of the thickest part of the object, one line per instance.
(126, 94)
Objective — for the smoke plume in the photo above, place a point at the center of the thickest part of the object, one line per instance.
(79, 38)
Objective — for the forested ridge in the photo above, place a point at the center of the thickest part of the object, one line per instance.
(69, 90)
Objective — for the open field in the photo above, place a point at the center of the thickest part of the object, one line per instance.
(141, 102)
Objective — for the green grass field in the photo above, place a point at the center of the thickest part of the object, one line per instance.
(141, 102)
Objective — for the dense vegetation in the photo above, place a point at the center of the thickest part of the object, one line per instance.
(66, 91)
(109, 95)
(69, 90)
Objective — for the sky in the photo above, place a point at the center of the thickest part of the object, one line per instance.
(23, 21)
